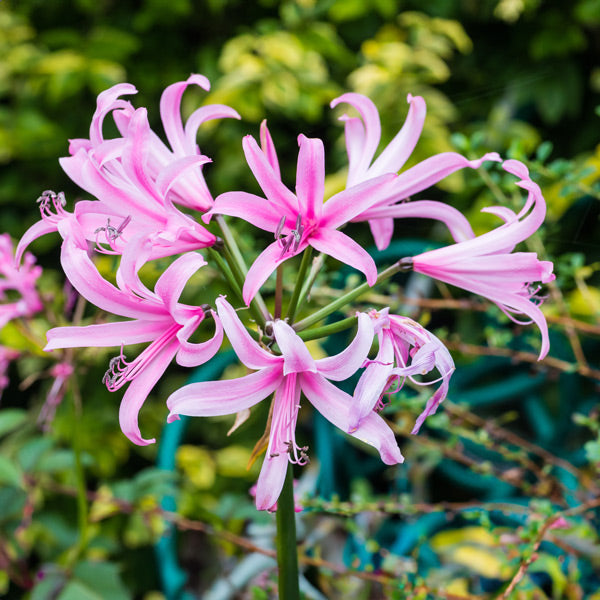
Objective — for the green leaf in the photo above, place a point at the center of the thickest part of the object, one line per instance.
(103, 578)
(9, 473)
(11, 419)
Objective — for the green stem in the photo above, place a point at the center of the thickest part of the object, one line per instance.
(278, 292)
(315, 267)
(82, 503)
(348, 297)
(287, 549)
(239, 268)
(306, 258)
(325, 330)
(226, 271)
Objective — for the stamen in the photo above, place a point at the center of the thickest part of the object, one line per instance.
(292, 239)
(279, 227)
(111, 234)
(52, 204)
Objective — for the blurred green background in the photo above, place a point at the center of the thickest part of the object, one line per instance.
(80, 507)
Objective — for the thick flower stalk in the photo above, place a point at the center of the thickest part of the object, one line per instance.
(487, 265)
(156, 317)
(406, 350)
(302, 219)
(289, 375)
(363, 135)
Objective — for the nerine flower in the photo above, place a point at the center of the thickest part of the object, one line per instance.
(137, 179)
(23, 281)
(362, 140)
(302, 219)
(487, 265)
(405, 349)
(176, 169)
(156, 317)
(289, 375)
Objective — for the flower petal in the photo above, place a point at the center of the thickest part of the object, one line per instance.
(345, 249)
(346, 363)
(214, 398)
(170, 113)
(269, 181)
(310, 177)
(265, 263)
(361, 145)
(458, 225)
(254, 209)
(373, 381)
(396, 153)
(334, 405)
(171, 283)
(138, 391)
(106, 334)
(247, 349)
(193, 354)
(296, 357)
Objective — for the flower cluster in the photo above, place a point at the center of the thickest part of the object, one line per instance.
(145, 197)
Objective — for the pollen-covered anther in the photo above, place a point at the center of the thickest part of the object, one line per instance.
(51, 204)
(111, 233)
(298, 454)
(292, 239)
(114, 377)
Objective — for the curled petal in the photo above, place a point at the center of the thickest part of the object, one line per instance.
(397, 152)
(192, 354)
(346, 363)
(171, 283)
(363, 138)
(296, 357)
(248, 350)
(138, 391)
(334, 405)
(170, 113)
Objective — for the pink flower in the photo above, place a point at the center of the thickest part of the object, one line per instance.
(405, 349)
(302, 219)
(289, 375)
(156, 317)
(7, 355)
(487, 265)
(61, 372)
(137, 179)
(20, 280)
(362, 139)
(174, 171)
